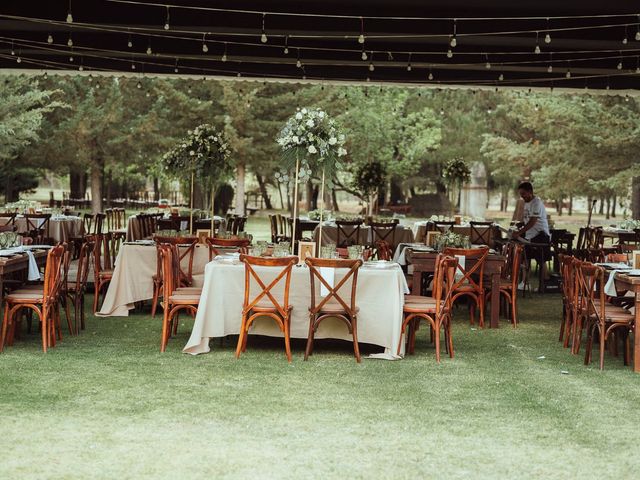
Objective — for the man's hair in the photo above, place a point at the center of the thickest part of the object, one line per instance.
(526, 186)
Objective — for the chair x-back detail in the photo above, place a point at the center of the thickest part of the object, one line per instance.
(333, 304)
(38, 227)
(265, 303)
(385, 231)
(348, 233)
(471, 281)
(482, 233)
(218, 246)
(443, 227)
(510, 278)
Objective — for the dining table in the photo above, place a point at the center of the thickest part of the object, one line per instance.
(403, 234)
(132, 279)
(631, 283)
(379, 295)
(18, 263)
(62, 228)
(424, 262)
(420, 229)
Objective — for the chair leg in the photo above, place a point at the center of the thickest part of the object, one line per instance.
(154, 302)
(437, 338)
(603, 339)
(96, 293)
(5, 325)
(354, 329)
(165, 328)
(307, 350)
(589, 345)
(67, 313)
(481, 307)
(287, 340)
(241, 336)
(45, 331)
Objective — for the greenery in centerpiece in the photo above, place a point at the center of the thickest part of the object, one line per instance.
(451, 239)
(455, 173)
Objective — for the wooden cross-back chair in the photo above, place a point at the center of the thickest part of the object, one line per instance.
(471, 281)
(186, 253)
(219, 246)
(273, 223)
(102, 265)
(333, 304)
(238, 224)
(7, 219)
(443, 227)
(602, 316)
(510, 277)
(436, 310)
(284, 228)
(87, 223)
(482, 233)
(38, 227)
(43, 302)
(348, 233)
(76, 289)
(628, 242)
(265, 303)
(174, 299)
(385, 231)
(567, 275)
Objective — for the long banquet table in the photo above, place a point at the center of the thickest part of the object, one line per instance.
(424, 262)
(61, 229)
(380, 297)
(133, 277)
(632, 284)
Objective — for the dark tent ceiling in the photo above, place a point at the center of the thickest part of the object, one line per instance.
(542, 43)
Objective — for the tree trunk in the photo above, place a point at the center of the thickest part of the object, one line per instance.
(559, 206)
(334, 200)
(635, 198)
(613, 206)
(396, 192)
(96, 186)
(109, 183)
(262, 184)
(77, 183)
(601, 211)
(570, 212)
(240, 171)
(608, 208)
(156, 189)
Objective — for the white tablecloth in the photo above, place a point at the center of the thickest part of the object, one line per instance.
(380, 296)
(133, 277)
(61, 229)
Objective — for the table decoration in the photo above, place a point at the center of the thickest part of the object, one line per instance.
(311, 143)
(205, 154)
(456, 172)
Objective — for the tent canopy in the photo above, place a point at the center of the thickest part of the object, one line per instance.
(543, 43)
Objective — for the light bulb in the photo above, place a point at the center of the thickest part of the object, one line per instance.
(133, 67)
(264, 38)
(205, 49)
(175, 70)
(568, 75)
(364, 55)
(536, 108)
(638, 35)
(70, 42)
(139, 85)
(50, 39)
(547, 38)
(441, 111)
(489, 111)
(371, 67)
(286, 50)
(625, 40)
(224, 57)
(129, 44)
(408, 67)
(501, 77)
(361, 38)
(69, 18)
(147, 94)
(13, 52)
(550, 69)
(45, 75)
(637, 69)
(18, 60)
(166, 26)
(626, 98)
(149, 50)
(487, 65)
(449, 53)
(619, 66)
(299, 64)
(71, 58)
(537, 49)
(430, 76)
(453, 42)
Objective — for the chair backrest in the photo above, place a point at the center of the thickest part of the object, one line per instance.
(38, 225)
(590, 284)
(384, 231)
(567, 276)
(167, 269)
(7, 219)
(444, 281)
(283, 227)
(348, 232)
(187, 252)
(217, 246)
(84, 261)
(513, 261)
(443, 226)
(628, 241)
(333, 292)
(239, 223)
(87, 223)
(53, 274)
(470, 275)
(482, 233)
(273, 223)
(103, 253)
(266, 291)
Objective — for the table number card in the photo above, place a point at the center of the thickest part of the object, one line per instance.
(635, 259)
(432, 238)
(306, 249)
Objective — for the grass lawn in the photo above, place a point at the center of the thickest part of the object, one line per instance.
(108, 404)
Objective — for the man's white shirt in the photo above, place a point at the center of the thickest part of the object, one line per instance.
(535, 209)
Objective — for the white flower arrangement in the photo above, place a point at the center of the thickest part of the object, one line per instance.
(312, 137)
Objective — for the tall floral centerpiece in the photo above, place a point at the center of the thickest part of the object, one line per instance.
(312, 144)
(455, 173)
(204, 154)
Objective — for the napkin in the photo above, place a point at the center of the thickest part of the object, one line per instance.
(183, 224)
(34, 272)
(610, 287)
(461, 262)
(329, 276)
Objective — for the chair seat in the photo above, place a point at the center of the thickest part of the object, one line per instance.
(416, 299)
(188, 291)
(267, 306)
(466, 289)
(428, 306)
(106, 273)
(27, 297)
(180, 299)
(334, 307)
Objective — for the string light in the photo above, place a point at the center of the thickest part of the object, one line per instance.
(50, 39)
(371, 67)
(69, 16)
(487, 65)
(139, 84)
(45, 76)
(298, 62)
(263, 37)
(13, 52)
(166, 22)
(550, 67)
(625, 40)
(547, 37)
(537, 49)
(430, 77)
(449, 53)
(18, 60)
(453, 42)
(536, 107)
(205, 48)
(175, 68)
(638, 31)
(568, 74)
(70, 41)
(501, 77)
(286, 45)
(361, 36)
(619, 66)
(149, 51)
(224, 55)
(409, 63)
(364, 54)
(129, 42)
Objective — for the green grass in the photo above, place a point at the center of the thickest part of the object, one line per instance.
(107, 404)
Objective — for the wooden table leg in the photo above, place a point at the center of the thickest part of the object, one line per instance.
(416, 283)
(495, 300)
(636, 340)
